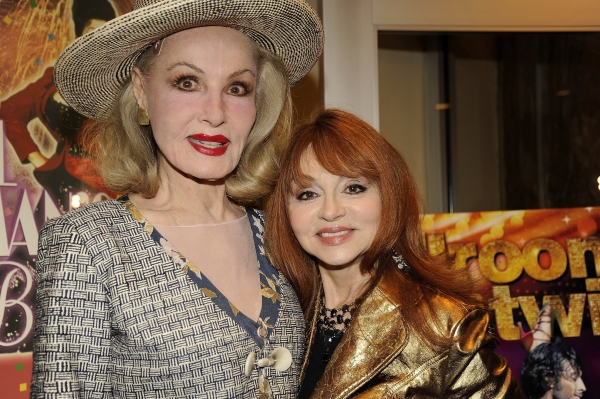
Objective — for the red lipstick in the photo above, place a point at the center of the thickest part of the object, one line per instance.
(213, 146)
(334, 235)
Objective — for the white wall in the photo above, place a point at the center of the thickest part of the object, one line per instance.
(351, 58)
(402, 103)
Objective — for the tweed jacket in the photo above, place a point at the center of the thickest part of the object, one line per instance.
(379, 356)
(117, 316)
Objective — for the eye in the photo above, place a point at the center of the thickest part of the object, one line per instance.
(186, 83)
(306, 195)
(355, 188)
(239, 89)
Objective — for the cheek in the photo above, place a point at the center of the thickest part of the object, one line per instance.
(246, 114)
(166, 105)
(373, 219)
(373, 215)
(299, 221)
(295, 220)
(247, 106)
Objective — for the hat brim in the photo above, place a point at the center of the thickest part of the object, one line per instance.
(91, 71)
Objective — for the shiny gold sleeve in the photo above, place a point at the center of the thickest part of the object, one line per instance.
(468, 369)
(473, 369)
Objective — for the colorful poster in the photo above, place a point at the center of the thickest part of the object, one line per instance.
(45, 169)
(532, 258)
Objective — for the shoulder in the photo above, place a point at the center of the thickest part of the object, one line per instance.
(97, 233)
(75, 236)
(459, 320)
(447, 314)
(101, 210)
(89, 217)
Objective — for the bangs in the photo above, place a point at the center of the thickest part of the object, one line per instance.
(335, 151)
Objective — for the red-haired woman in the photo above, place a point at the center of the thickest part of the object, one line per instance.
(386, 319)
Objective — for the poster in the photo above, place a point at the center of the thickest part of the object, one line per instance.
(45, 170)
(531, 258)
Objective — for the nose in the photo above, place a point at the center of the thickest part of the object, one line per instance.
(331, 208)
(580, 384)
(213, 109)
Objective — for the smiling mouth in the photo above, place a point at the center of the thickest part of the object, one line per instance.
(208, 144)
(213, 146)
(337, 234)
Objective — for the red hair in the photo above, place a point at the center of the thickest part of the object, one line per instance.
(343, 144)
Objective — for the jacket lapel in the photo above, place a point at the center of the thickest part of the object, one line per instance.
(375, 337)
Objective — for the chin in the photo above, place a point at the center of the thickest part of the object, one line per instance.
(338, 264)
(211, 176)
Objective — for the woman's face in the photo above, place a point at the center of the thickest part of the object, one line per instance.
(200, 95)
(335, 218)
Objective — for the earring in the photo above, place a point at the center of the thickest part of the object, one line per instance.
(143, 117)
(399, 259)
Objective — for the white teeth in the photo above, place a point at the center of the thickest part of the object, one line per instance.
(208, 144)
(339, 233)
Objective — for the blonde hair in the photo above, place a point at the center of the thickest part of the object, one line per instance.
(128, 156)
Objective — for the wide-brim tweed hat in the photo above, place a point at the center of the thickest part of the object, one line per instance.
(91, 71)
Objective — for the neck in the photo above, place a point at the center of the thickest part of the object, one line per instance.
(182, 200)
(343, 286)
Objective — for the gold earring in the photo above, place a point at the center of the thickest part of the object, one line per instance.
(143, 117)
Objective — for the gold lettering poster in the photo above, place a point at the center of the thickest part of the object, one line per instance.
(532, 258)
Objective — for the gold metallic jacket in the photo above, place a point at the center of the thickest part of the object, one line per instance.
(378, 356)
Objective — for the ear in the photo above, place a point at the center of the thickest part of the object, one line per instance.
(137, 78)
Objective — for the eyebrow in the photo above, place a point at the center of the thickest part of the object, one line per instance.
(187, 64)
(200, 70)
(241, 72)
(571, 372)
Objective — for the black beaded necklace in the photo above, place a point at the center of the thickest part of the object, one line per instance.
(333, 323)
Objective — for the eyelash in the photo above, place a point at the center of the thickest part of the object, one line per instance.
(302, 195)
(360, 187)
(246, 89)
(351, 189)
(179, 80)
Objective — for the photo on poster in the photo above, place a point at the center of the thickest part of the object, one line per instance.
(534, 260)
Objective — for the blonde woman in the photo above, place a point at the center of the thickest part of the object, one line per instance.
(166, 291)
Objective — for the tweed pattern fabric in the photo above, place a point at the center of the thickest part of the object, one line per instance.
(116, 317)
(270, 287)
(90, 72)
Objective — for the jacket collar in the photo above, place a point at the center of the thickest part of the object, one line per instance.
(374, 338)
